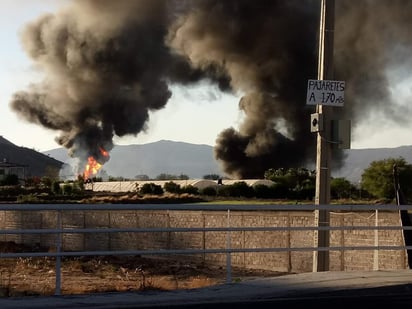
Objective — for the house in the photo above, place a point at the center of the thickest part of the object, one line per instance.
(25, 163)
(9, 168)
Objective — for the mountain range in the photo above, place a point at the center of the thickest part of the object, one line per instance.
(195, 160)
(153, 159)
(359, 159)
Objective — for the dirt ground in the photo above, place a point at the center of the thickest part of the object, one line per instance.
(36, 276)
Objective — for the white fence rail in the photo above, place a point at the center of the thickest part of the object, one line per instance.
(59, 230)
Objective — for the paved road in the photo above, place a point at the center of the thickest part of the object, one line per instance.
(333, 290)
(351, 301)
(313, 302)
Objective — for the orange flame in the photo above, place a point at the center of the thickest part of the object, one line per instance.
(92, 166)
(103, 152)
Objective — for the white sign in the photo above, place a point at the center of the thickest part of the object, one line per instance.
(325, 92)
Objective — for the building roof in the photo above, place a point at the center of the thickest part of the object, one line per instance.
(37, 164)
(249, 182)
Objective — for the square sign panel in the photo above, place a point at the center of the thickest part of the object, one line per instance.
(325, 92)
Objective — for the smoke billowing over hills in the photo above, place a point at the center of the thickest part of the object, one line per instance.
(109, 63)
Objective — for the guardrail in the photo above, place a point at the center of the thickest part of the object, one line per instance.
(59, 230)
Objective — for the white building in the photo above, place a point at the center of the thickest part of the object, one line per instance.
(134, 185)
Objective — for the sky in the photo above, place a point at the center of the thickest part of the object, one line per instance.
(195, 114)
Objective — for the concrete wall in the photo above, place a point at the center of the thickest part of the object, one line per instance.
(300, 261)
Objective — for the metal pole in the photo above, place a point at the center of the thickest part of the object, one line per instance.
(376, 252)
(228, 254)
(323, 151)
(58, 257)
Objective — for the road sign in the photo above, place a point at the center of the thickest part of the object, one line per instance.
(325, 92)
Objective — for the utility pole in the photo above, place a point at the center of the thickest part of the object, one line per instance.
(324, 147)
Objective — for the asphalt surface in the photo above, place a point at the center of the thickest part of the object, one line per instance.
(374, 289)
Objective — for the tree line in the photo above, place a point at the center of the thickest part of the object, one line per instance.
(377, 181)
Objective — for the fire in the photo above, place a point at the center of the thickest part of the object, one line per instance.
(92, 166)
(103, 152)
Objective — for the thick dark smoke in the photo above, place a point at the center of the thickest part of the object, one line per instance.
(268, 50)
(108, 63)
(373, 38)
(106, 67)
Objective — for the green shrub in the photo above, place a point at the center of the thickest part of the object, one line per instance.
(27, 198)
(10, 180)
(67, 189)
(240, 189)
(263, 191)
(151, 188)
(172, 187)
(55, 188)
(190, 190)
(209, 191)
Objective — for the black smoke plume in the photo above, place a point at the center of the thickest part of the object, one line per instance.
(108, 63)
(106, 67)
(268, 49)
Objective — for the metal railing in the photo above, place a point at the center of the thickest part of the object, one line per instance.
(59, 230)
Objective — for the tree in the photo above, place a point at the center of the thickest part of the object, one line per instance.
(341, 188)
(10, 180)
(378, 178)
(263, 191)
(46, 181)
(151, 188)
(211, 176)
(55, 187)
(291, 176)
(67, 189)
(299, 183)
(172, 187)
(141, 177)
(183, 177)
(164, 176)
(240, 189)
(189, 189)
(209, 191)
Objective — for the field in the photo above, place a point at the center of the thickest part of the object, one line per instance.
(36, 276)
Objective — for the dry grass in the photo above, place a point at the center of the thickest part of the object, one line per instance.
(36, 276)
(80, 275)
(133, 198)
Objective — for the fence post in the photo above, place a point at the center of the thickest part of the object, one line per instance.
(58, 256)
(228, 254)
(376, 251)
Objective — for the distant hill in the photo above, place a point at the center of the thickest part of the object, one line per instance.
(156, 158)
(359, 159)
(198, 160)
(38, 164)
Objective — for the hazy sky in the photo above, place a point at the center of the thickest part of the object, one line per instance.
(195, 114)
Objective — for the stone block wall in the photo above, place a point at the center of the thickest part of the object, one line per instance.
(286, 261)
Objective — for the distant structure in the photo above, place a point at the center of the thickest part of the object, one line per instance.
(131, 186)
(9, 168)
(25, 162)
